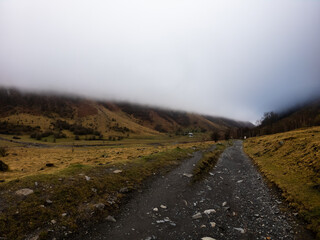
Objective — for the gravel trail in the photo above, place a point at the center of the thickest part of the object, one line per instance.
(233, 202)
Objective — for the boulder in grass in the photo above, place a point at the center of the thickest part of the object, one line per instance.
(3, 167)
(24, 192)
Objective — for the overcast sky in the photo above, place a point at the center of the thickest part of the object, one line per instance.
(233, 58)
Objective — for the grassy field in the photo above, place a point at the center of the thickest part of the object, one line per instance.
(26, 161)
(82, 184)
(291, 160)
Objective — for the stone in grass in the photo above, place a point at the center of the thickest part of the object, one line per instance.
(117, 171)
(99, 206)
(3, 167)
(49, 165)
(124, 190)
(24, 192)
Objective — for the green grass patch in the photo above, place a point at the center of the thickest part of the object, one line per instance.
(208, 161)
(69, 199)
(291, 161)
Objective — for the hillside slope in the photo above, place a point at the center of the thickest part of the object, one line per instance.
(42, 115)
(304, 115)
(291, 161)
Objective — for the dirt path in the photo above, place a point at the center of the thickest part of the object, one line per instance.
(244, 206)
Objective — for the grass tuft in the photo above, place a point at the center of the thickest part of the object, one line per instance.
(208, 161)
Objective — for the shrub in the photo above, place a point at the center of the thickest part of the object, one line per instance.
(3, 167)
(3, 151)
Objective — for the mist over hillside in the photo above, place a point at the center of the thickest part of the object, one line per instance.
(38, 113)
(302, 115)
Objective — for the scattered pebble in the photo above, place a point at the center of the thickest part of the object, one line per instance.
(124, 190)
(224, 204)
(99, 206)
(111, 219)
(87, 178)
(208, 238)
(197, 216)
(209, 211)
(155, 209)
(53, 221)
(117, 171)
(213, 224)
(189, 175)
(24, 192)
(240, 230)
(163, 206)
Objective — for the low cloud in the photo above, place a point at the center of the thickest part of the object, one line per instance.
(232, 58)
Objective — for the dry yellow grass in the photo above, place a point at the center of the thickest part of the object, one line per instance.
(24, 161)
(292, 161)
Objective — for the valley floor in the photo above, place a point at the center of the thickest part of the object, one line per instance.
(232, 202)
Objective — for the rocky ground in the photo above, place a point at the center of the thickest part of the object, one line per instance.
(233, 202)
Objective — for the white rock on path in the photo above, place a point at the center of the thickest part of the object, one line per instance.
(155, 209)
(163, 206)
(213, 224)
(111, 219)
(24, 192)
(240, 230)
(208, 238)
(224, 204)
(209, 211)
(189, 175)
(197, 216)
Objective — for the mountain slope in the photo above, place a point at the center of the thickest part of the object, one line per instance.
(305, 115)
(27, 113)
